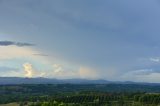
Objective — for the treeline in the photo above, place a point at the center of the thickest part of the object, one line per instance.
(137, 99)
(148, 98)
(81, 95)
(58, 88)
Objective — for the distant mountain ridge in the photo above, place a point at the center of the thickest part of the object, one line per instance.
(40, 80)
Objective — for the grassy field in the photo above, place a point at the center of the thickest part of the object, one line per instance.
(10, 104)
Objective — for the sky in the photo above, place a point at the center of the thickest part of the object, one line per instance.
(116, 40)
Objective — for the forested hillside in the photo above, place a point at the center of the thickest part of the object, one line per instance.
(81, 95)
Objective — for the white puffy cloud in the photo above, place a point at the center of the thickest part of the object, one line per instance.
(29, 72)
(57, 68)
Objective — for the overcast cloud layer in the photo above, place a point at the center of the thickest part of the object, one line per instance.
(106, 39)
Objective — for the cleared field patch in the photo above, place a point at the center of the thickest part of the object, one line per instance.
(10, 104)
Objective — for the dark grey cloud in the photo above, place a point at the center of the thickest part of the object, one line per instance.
(9, 43)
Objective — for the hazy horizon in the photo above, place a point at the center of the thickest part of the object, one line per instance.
(112, 40)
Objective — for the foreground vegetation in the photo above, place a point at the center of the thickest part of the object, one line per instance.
(104, 100)
(80, 95)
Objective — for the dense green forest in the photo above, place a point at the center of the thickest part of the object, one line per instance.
(81, 95)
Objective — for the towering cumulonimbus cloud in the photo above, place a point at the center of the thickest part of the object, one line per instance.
(29, 71)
